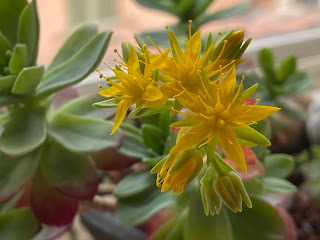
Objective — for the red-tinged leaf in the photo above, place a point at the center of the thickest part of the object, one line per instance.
(254, 167)
(25, 198)
(176, 129)
(15, 172)
(157, 220)
(291, 233)
(51, 206)
(111, 159)
(73, 174)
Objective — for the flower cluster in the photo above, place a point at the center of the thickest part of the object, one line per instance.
(203, 82)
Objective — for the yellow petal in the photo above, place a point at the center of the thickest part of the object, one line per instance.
(193, 47)
(151, 93)
(194, 136)
(251, 113)
(227, 86)
(228, 141)
(121, 112)
(133, 62)
(192, 102)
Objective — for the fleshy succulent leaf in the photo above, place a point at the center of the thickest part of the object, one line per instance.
(71, 173)
(19, 59)
(24, 132)
(27, 80)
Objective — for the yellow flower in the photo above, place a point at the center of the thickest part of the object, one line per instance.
(220, 117)
(185, 168)
(181, 70)
(133, 87)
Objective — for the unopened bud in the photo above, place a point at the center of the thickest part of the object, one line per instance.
(231, 191)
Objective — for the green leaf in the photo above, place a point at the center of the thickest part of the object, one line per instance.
(311, 170)
(134, 183)
(297, 83)
(125, 50)
(134, 146)
(81, 134)
(265, 59)
(27, 80)
(29, 31)
(153, 137)
(72, 173)
(278, 165)
(19, 59)
(263, 220)
(9, 99)
(287, 67)
(10, 11)
(19, 224)
(135, 210)
(7, 82)
(278, 185)
(225, 13)
(200, 226)
(110, 103)
(24, 132)
(163, 5)
(249, 134)
(254, 186)
(15, 172)
(73, 44)
(5, 46)
(83, 106)
(77, 67)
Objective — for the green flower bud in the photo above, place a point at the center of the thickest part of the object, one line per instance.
(231, 190)
(211, 201)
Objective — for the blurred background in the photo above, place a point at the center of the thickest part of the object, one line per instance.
(288, 27)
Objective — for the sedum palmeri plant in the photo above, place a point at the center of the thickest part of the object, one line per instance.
(198, 127)
(45, 166)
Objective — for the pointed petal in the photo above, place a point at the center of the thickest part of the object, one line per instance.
(193, 47)
(157, 59)
(152, 93)
(194, 136)
(228, 141)
(133, 62)
(110, 92)
(251, 113)
(227, 86)
(192, 102)
(121, 112)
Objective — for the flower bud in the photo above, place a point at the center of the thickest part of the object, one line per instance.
(231, 190)
(181, 172)
(211, 201)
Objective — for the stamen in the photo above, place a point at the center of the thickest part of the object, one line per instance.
(190, 22)
(116, 51)
(184, 113)
(154, 44)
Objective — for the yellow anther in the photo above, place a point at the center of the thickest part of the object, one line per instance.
(100, 86)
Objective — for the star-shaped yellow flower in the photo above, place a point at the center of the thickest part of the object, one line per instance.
(219, 117)
(133, 87)
(181, 70)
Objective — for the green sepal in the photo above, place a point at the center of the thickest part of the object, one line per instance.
(110, 103)
(19, 59)
(159, 165)
(28, 80)
(144, 112)
(242, 49)
(243, 97)
(219, 44)
(249, 134)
